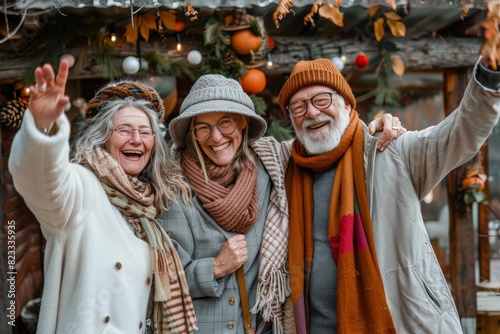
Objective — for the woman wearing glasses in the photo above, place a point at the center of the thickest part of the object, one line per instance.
(106, 254)
(233, 239)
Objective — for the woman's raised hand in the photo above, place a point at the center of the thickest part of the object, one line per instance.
(47, 99)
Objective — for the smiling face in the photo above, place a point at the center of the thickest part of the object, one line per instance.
(318, 130)
(221, 149)
(133, 151)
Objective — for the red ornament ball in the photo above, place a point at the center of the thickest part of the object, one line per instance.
(253, 82)
(361, 61)
(270, 42)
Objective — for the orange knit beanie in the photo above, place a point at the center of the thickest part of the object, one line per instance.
(315, 72)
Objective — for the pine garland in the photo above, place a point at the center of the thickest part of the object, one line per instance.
(386, 92)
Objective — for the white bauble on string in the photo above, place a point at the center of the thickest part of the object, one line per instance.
(338, 62)
(69, 58)
(131, 65)
(194, 57)
(144, 64)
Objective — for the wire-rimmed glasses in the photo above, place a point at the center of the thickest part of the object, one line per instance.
(203, 131)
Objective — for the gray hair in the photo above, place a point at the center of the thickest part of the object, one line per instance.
(162, 172)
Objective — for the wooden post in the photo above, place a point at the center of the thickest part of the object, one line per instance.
(462, 239)
(483, 220)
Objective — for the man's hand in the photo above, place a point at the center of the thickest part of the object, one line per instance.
(391, 128)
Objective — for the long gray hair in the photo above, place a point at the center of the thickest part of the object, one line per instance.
(162, 172)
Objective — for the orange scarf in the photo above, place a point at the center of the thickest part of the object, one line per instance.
(361, 304)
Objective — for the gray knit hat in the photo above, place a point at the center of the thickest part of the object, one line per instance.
(215, 93)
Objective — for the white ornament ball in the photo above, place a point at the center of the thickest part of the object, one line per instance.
(131, 65)
(69, 58)
(144, 64)
(194, 57)
(338, 62)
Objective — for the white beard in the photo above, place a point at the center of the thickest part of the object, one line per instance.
(321, 142)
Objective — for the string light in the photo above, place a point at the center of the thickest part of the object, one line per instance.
(269, 61)
(179, 45)
(343, 57)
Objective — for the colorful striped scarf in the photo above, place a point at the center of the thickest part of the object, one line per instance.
(361, 304)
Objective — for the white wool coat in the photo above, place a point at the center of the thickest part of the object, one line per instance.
(97, 273)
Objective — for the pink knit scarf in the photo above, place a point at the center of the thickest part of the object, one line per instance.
(231, 201)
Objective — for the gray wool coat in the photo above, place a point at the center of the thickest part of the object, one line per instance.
(198, 239)
(397, 179)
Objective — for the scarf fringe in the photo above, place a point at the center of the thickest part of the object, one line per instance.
(271, 294)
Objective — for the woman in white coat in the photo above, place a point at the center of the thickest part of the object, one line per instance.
(105, 253)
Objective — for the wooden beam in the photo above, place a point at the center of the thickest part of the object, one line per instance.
(417, 55)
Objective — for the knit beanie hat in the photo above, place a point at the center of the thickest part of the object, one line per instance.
(123, 89)
(314, 72)
(215, 93)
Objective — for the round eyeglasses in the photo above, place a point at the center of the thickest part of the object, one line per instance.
(320, 101)
(202, 131)
(128, 132)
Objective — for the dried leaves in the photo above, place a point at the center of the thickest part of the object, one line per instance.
(324, 9)
(393, 21)
(281, 11)
(490, 50)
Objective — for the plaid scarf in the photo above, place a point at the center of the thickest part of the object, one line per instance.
(173, 307)
(361, 303)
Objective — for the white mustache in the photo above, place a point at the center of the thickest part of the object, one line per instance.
(321, 118)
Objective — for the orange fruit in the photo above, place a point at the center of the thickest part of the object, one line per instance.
(253, 82)
(244, 41)
(473, 182)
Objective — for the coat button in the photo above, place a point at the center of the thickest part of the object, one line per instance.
(231, 301)
(118, 265)
(140, 325)
(148, 280)
(106, 319)
(230, 325)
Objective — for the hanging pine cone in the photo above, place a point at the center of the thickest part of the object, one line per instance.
(12, 113)
(229, 57)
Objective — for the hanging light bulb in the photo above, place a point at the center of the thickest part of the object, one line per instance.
(269, 61)
(113, 37)
(179, 45)
(343, 57)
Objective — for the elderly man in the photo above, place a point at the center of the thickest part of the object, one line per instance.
(360, 259)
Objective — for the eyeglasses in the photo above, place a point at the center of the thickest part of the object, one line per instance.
(128, 132)
(320, 101)
(202, 131)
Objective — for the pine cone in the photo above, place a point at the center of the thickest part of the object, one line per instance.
(12, 114)
(229, 58)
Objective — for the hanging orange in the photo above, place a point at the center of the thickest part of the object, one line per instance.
(244, 41)
(180, 25)
(253, 82)
(473, 182)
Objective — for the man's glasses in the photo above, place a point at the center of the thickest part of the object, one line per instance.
(320, 101)
(128, 132)
(202, 131)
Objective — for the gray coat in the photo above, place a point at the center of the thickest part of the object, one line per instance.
(397, 180)
(198, 239)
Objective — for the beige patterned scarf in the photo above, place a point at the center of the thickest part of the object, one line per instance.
(173, 307)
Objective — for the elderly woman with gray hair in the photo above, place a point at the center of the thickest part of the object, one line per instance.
(105, 250)
(233, 239)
